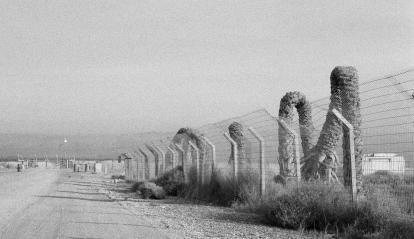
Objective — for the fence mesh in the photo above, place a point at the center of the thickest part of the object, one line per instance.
(387, 109)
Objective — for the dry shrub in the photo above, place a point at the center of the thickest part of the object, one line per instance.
(171, 181)
(399, 228)
(382, 177)
(382, 199)
(390, 191)
(223, 190)
(316, 205)
(118, 176)
(151, 190)
(249, 189)
(220, 190)
(135, 185)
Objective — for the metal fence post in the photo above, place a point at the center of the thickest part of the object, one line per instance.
(136, 157)
(296, 142)
(262, 160)
(173, 156)
(156, 159)
(162, 154)
(132, 166)
(130, 169)
(141, 163)
(146, 164)
(351, 149)
(197, 151)
(235, 155)
(126, 168)
(183, 163)
(213, 156)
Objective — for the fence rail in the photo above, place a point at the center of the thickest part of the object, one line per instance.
(387, 109)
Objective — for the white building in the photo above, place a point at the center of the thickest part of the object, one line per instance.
(382, 162)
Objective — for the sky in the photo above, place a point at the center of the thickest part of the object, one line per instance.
(119, 67)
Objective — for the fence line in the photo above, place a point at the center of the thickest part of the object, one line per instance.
(387, 109)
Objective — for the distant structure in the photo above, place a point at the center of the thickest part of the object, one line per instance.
(123, 157)
(382, 162)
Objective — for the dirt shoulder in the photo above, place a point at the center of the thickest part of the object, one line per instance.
(76, 205)
(199, 221)
(20, 189)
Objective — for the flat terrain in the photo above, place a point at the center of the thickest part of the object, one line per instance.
(60, 204)
(49, 203)
(201, 221)
(18, 190)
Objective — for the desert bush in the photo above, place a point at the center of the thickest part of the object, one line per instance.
(220, 190)
(409, 179)
(382, 177)
(118, 177)
(321, 207)
(393, 191)
(171, 181)
(150, 190)
(135, 186)
(398, 228)
(382, 198)
(223, 190)
(287, 211)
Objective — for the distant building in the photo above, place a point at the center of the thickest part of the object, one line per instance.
(382, 162)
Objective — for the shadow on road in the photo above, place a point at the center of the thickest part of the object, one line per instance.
(85, 238)
(77, 198)
(85, 184)
(112, 223)
(62, 191)
(101, 213)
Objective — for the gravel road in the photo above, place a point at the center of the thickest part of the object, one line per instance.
(201, 221)
(60, 204)
(18, 190)
(49, 203)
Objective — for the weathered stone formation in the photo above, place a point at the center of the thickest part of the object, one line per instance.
(345, 98)
(237, 134)
(287, 107)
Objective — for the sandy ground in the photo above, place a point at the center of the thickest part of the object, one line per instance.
(201, 221)
(60, 204)
(18, 190)
(50, 203)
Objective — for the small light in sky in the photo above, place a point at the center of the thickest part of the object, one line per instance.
(65, 140)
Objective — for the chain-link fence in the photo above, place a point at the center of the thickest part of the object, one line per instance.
(249, 144)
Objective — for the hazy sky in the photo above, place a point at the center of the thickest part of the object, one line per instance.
(129, 66)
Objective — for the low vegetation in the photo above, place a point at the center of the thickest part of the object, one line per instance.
(171, 181)
(396, 190)
(314, 205)
(328, 208)
(118, 177)
(148, 190)
(222, 190)
(322, 207)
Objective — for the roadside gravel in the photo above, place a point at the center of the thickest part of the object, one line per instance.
(199, 221)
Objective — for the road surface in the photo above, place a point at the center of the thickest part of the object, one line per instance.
(48, 203)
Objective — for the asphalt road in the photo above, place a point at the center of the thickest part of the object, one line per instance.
(51, 203)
